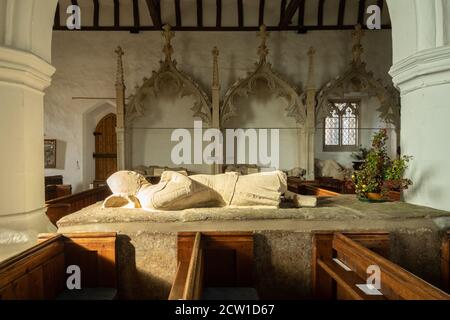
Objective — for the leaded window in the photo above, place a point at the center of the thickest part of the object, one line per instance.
(341, 127)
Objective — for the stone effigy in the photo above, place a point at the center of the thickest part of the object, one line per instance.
(176, 191)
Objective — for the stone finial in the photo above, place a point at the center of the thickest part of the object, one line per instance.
(119, 72)
(357, 49)
(215, 53)
(311, 54)
(168, 35)
(263, 51)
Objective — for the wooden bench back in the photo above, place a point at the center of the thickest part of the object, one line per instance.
(60, 207)
(358, 251)
(445, 261)
(40, 272)
(212, 259)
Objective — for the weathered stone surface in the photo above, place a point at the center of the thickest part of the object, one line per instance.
(282, 247)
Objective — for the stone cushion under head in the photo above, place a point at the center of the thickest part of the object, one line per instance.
(121, 201)
(126, 182)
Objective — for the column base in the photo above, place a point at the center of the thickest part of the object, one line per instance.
(20, 231)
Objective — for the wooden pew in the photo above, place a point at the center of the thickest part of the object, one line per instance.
(445, 261)
(212, 259)
(340, 262)
(40, 272)
(63, 206)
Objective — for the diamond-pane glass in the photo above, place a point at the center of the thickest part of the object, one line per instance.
(341, 125)
(332, 131)
(349, 126)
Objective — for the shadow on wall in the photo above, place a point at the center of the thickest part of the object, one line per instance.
(61, 147)
(423, 181)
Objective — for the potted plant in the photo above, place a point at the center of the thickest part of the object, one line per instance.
(359, 156)
(394, 181)
(379, 174)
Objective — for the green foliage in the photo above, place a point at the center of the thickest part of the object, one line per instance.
(361, 154)
(379, 173)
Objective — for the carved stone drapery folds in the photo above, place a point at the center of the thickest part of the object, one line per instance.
(168, 77)
(357, 80)
(275, 85)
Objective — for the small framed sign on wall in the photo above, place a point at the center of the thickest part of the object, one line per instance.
(50, 153)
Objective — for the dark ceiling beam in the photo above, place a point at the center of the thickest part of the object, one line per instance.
(289, 12)
(282, 10)
(222, 29)
(218, 13)
(96, 13)
(136, 17)
(320, 13)
(261, 12)
(240, 6)
(361, 11)
(301, 16)
(116, 13)
(57, 22)
(341, 12)
(199, 13)
(178, 13)
(155, 13)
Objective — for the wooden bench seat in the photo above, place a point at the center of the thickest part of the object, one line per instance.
(214, 265)
(341, 263)
(40, 272)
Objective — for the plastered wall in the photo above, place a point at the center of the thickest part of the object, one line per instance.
(85, 63)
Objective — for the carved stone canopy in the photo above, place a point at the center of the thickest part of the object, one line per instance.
(357, 80)
(168, 78)
(275, 85)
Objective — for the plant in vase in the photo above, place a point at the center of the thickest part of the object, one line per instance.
(393, 177)
(379, 174)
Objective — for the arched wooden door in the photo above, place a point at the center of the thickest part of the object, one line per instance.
(105, 149)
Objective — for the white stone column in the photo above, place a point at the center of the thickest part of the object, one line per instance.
(25, 72)
(421, 71)
(23, 78)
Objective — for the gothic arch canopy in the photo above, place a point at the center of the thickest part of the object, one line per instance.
(275, 84)
(357, 80)
(168, 78)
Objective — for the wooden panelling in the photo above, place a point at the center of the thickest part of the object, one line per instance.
(95, 254)
(60, 207)
(445, 261)
(22, 276)
(40, 272)
(212, 259)
(357, 251)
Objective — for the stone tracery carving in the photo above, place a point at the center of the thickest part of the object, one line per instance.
(358, 80)
(168, 77)
(275, 84)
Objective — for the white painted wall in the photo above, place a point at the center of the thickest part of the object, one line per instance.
(85, 63)
(421, 53)
(370, 123)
